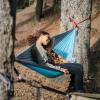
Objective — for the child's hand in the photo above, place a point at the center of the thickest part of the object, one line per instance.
(64, 70)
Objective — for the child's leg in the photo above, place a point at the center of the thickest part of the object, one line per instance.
(76, 70)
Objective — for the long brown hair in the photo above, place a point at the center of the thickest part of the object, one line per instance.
(33, 38)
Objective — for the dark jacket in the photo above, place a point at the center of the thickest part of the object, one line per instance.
(42, 59)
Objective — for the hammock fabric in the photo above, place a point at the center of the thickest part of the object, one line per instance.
(63, 45)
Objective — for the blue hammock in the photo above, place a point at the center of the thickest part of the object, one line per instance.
(63, 45)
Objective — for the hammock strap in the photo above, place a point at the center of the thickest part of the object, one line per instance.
(75, 24)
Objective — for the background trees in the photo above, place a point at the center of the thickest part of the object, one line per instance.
(39, 9)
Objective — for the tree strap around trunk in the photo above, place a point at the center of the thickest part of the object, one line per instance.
(75, 24)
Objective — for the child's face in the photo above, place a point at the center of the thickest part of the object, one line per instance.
(45, 39)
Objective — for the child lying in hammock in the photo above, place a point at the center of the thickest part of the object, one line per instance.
(41, 40)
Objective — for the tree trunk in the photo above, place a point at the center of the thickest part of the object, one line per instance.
(78, 9)
(6, 45)
(39, 8)
(56, 5)
(14, 5)
(55, 2)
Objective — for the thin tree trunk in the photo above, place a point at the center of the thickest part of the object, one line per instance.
(78, 9)
(6, 45)
(39, 9)
(55, 3)
(14, 5)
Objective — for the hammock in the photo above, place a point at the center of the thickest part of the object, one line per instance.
(63, 45)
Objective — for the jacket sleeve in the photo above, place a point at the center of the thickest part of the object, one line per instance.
(40, 58)
(53, 66)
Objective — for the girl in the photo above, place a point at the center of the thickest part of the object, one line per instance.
(41, 40)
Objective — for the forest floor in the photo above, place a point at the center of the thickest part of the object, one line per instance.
(26, 26)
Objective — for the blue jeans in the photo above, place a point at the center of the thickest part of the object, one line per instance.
(76, 71)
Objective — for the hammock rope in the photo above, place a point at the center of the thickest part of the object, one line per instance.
(75, 24)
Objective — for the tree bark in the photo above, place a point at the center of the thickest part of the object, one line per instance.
(39, 8)
(78, 9)
(6, 45)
